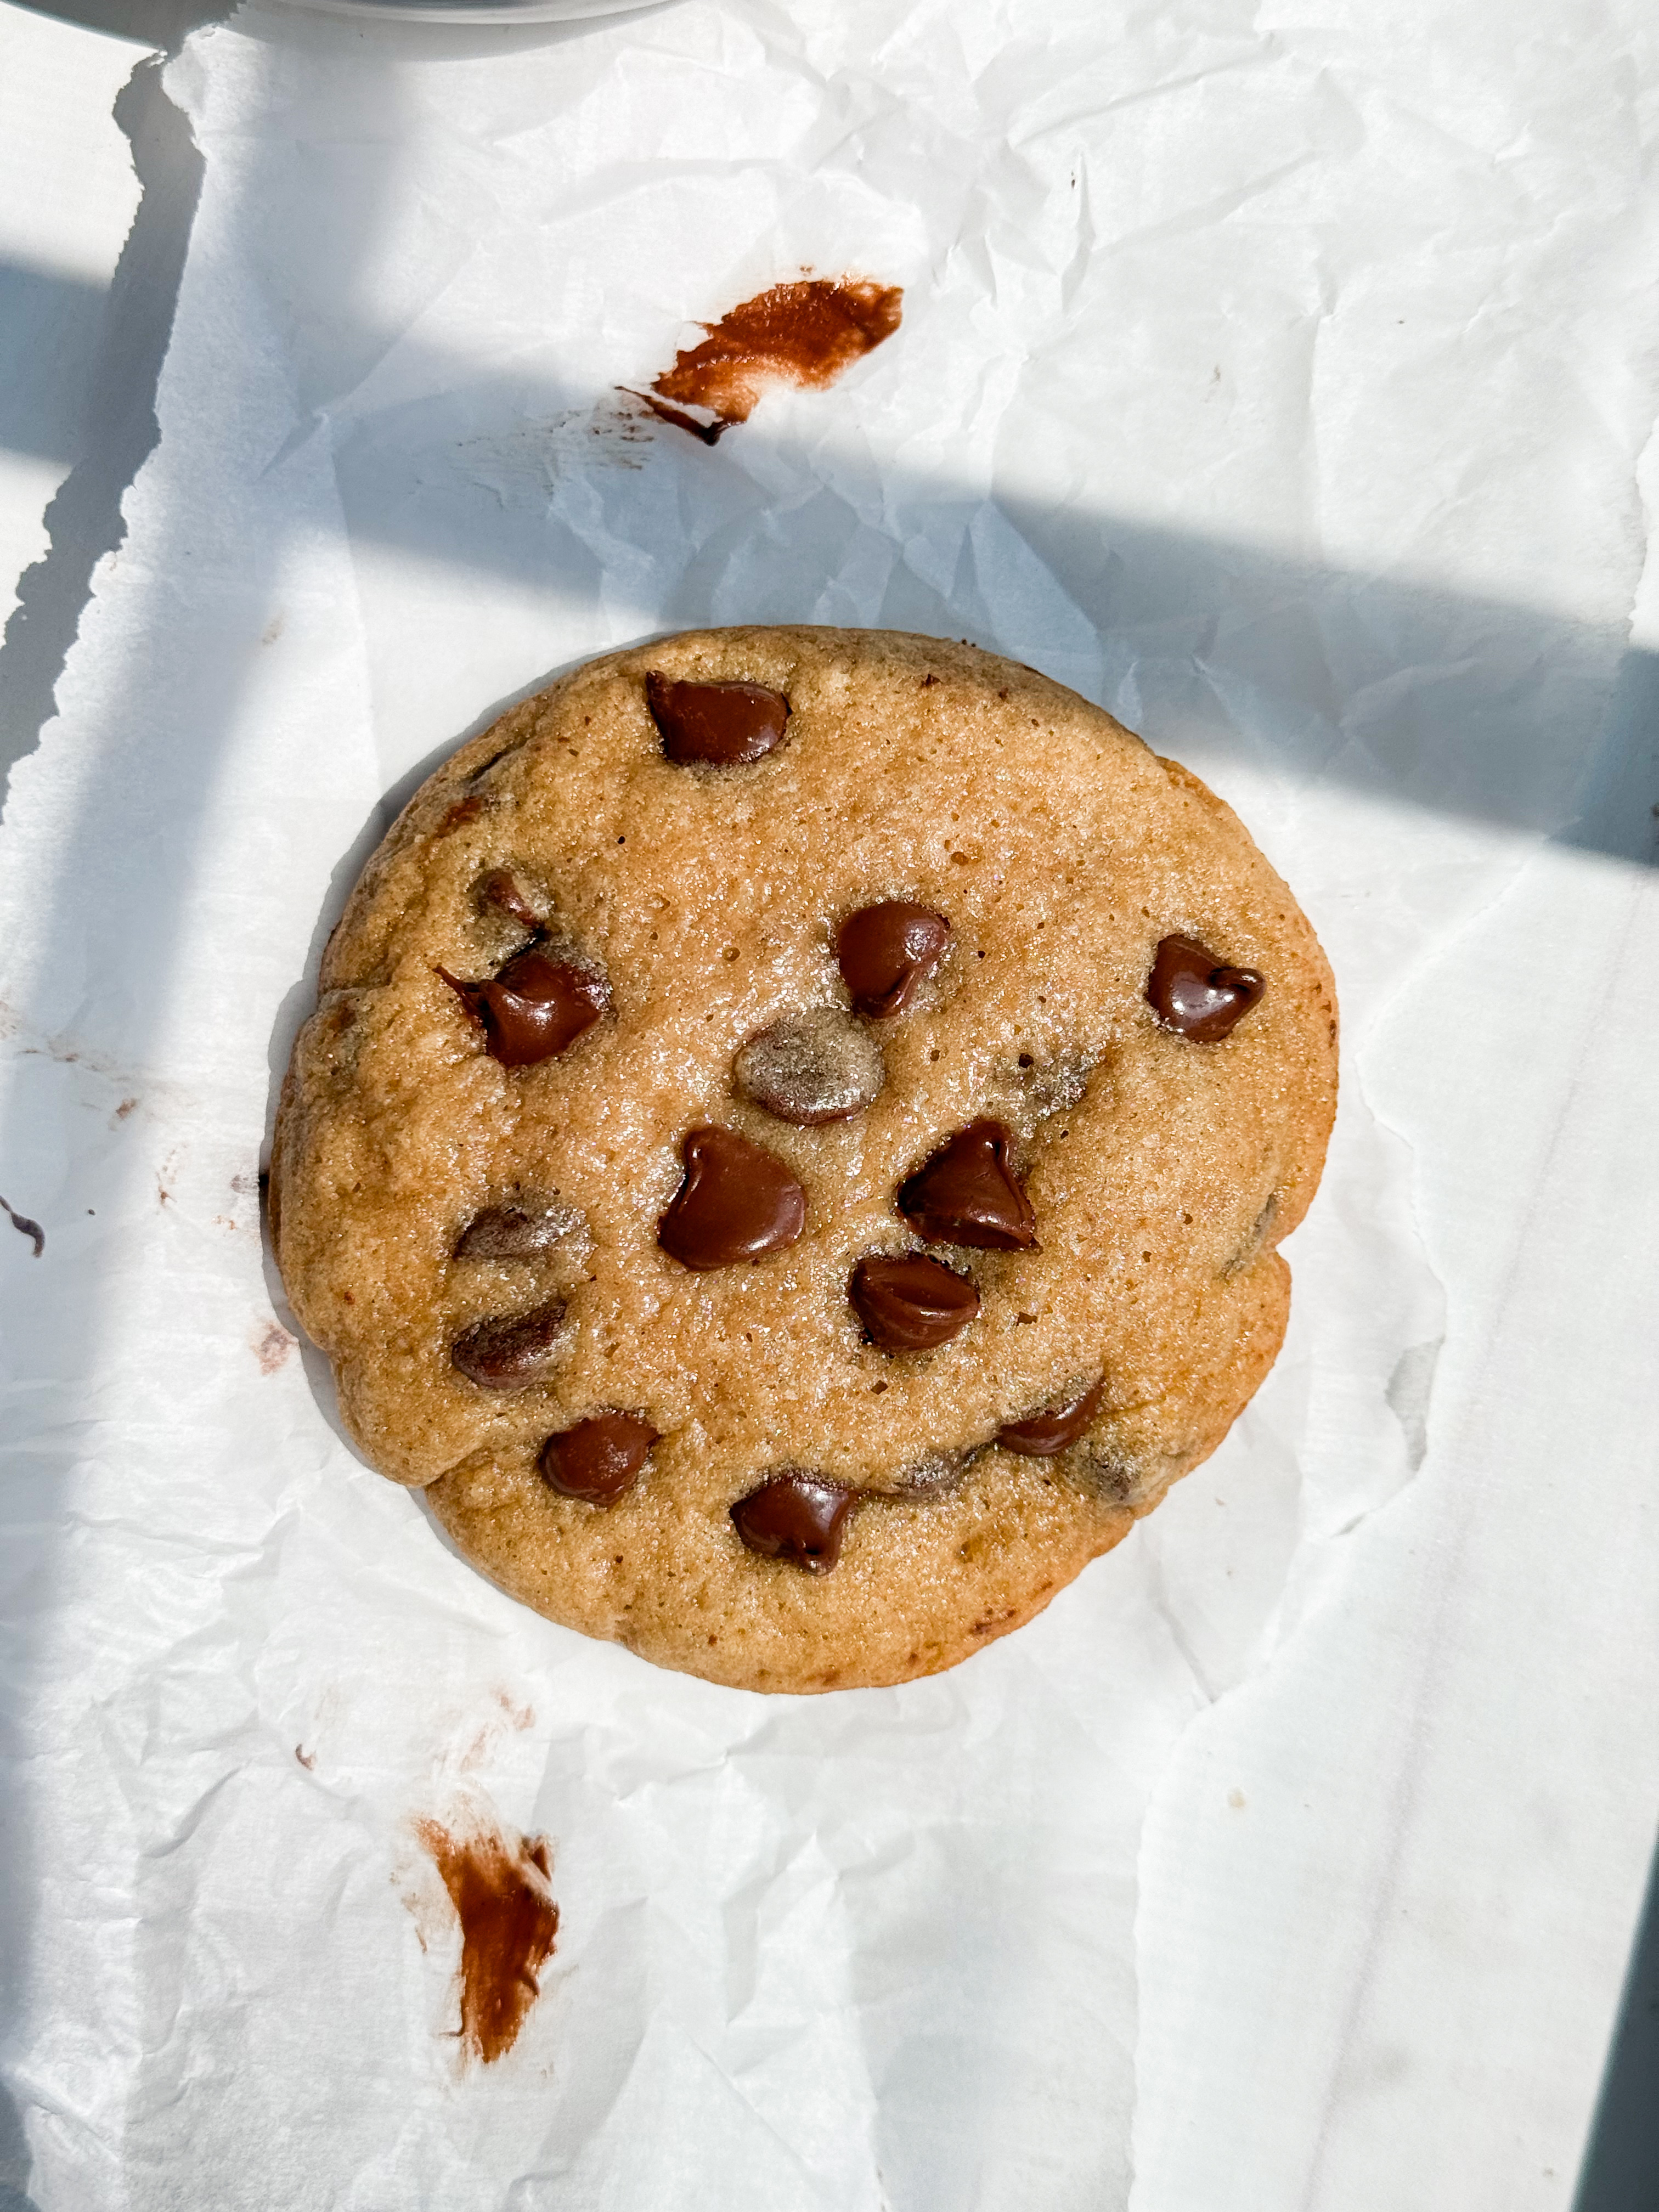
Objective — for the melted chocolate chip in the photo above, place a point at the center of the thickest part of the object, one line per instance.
(721, 725)
(911, 1303)
(519, 1231)
(965, 1193)
(886, 952)
(797, 1516)
(499, 889)
(535, 1008)
(599, 1459)
(513, 1351)
(1040, 1435)
(1192, 993)
(738, 1202)
(812, 1067)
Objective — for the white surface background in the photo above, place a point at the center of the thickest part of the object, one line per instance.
(1285, 385)
(67, 199)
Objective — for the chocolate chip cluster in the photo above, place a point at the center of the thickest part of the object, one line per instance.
(737, 1201)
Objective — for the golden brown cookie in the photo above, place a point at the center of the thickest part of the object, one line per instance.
(791, 1143)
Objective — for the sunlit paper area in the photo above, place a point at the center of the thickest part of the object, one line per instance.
(1287, 388)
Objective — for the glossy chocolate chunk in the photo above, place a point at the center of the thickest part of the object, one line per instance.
(599, 1459)
(966, 1194)
(738, 1202)
(517, 1230)
(511, 1353)
(536, 1006)
(500, 888)
(721, 725)
(886, 952)
(909, 1303)
(812, 1067)
(1040, 1435)
(797, 1516)
(1192, 993)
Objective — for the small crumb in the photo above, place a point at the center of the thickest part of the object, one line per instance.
(1236, 1799)
(124, 1108)
(306, 1758)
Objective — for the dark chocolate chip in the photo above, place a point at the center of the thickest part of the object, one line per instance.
(909, 1303)
(1040, 1435)
(738, 1202)
(517, 1230)
(811, 1067)
(599, 1459)
(722, 725)
(499, 889)
(536, 1006)
(965, 1193)
(1192, 993)
(513, 1351)
(886, 952)
(797, 1516)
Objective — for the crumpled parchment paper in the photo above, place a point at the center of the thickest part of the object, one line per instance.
(1279, 382)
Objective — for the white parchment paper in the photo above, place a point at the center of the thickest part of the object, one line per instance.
(1279, 382)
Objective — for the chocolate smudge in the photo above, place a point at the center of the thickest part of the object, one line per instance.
(271, 1344)
(510, 1921)
(711, 433)
(21, 1223)
(806, 334)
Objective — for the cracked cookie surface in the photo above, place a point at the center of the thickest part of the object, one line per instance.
(690, 998)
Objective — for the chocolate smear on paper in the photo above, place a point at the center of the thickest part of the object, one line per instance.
(806, 334)
(271, 1344)
(27, 1228)
(499, 1889)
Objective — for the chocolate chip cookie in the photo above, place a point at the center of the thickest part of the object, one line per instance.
(792, 1145)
